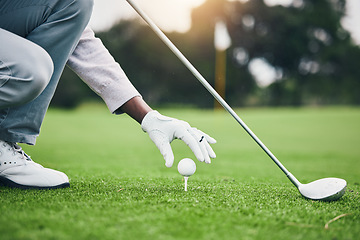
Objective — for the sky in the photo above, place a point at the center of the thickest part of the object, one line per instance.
(169, 15)
(175, 15)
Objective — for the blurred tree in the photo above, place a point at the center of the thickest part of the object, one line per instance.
(307, 43)
(314, 57)
(71, 91)
(153, 68)
(239, 82)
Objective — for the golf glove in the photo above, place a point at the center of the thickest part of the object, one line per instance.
(163, 130)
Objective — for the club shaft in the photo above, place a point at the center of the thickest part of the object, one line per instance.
(212, 91)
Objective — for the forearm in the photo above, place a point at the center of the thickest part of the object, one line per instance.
(98, 69)
(136, 108)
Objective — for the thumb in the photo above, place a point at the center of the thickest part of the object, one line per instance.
(169, 157)
(167, 153)
(163, 144)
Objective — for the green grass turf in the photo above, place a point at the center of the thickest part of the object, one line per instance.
(120, 188)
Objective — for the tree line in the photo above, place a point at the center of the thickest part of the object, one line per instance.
(314, 56)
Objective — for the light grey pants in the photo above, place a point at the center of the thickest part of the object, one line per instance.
(36, 40)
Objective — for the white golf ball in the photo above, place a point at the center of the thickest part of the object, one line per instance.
(187, 167)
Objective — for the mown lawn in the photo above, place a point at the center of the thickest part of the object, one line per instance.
(120, 188)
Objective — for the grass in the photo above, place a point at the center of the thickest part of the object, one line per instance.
(120, 188)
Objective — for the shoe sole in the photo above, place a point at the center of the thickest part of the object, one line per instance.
(8, 183)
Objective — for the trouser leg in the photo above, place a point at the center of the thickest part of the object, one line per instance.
(54, 25)
(25, 70)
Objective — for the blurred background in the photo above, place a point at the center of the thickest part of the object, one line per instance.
(254, 52)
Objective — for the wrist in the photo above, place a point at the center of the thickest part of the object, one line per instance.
(148, 120)
(136, 108)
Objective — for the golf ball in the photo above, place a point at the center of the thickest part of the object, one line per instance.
(187, 167)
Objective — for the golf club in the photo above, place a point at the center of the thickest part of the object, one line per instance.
(326, 189)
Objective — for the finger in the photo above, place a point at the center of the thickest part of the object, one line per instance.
(168, 154)
(202, 143)
(208, 149)
(210, 139)
(163, 145)
(191, 142)
(207, 137)
(205, 152)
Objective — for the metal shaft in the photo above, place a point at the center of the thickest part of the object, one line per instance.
(203, 81)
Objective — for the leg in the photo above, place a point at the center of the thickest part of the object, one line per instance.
(54, 25)
(54, 28)
(25, 70)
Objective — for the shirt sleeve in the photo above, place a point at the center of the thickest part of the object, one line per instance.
(93, 63)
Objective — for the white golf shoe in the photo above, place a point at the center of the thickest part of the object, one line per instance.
(18, 170)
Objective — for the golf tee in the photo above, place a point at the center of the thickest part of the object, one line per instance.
(186, 180)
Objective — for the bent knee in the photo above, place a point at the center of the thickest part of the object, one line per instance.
(39, 67)
(36, 69)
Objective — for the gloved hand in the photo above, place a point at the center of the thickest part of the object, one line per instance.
(163, 130)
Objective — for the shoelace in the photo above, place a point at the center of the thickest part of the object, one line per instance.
(17, 149)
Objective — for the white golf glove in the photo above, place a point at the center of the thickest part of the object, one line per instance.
(163, 130)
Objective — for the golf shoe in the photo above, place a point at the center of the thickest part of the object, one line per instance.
(18, 170)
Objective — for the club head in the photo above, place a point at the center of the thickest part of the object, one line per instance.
(325, 189)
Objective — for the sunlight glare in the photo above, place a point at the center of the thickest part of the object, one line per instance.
(174, 15)
(169, 15)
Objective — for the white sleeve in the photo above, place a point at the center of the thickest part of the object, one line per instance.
(93, 63)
